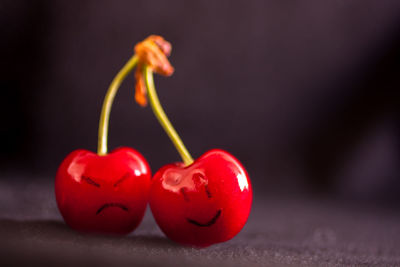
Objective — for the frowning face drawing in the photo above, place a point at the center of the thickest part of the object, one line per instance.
(106, 194)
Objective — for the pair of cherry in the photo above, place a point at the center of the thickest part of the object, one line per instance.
(195, 202)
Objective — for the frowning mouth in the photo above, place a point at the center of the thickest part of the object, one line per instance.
(207, 224)
(110, 205)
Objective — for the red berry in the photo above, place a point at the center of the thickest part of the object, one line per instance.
(106, 194)
(204, 203)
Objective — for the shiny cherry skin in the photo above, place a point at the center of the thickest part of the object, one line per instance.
(103, 194)
(204, 203)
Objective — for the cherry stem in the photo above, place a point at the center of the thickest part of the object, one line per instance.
(162, 117)
(107, 104)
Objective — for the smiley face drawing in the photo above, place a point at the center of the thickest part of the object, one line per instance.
(104, 194)
(204, 203)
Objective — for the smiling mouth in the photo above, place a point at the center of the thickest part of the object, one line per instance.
(207, 224)
(110, 205)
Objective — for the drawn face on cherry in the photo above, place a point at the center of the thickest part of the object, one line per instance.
(106, 194)
(205, 203)
(198, 183)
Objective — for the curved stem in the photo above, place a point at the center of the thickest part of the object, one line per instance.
(107, 104)
(163, 119)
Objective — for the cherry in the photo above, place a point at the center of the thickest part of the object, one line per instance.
(204, 203)
(196, 203)
(106, 194)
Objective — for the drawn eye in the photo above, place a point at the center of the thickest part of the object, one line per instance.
(123, 178)
(208, 192)
(183, 191)
(90, 181)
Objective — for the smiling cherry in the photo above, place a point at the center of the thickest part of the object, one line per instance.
(204, 203)
(196, 203)
(104, 192)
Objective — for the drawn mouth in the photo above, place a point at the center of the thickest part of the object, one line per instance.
(110, 205)
(207, 224)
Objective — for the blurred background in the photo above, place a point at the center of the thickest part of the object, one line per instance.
(304, 93)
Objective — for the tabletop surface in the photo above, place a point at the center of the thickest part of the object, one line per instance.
(281, 231)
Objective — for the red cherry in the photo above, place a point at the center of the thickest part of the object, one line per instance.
(197, 203)
(106, 194)
(204, 203)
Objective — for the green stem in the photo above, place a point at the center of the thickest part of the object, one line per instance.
(107, 104)
(163, 119)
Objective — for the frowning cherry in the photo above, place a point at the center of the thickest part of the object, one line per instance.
(201, 202)
(104, 192)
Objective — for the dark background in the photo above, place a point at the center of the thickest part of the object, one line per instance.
(304, 93)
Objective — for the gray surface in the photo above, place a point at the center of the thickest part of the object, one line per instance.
(280, 231)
